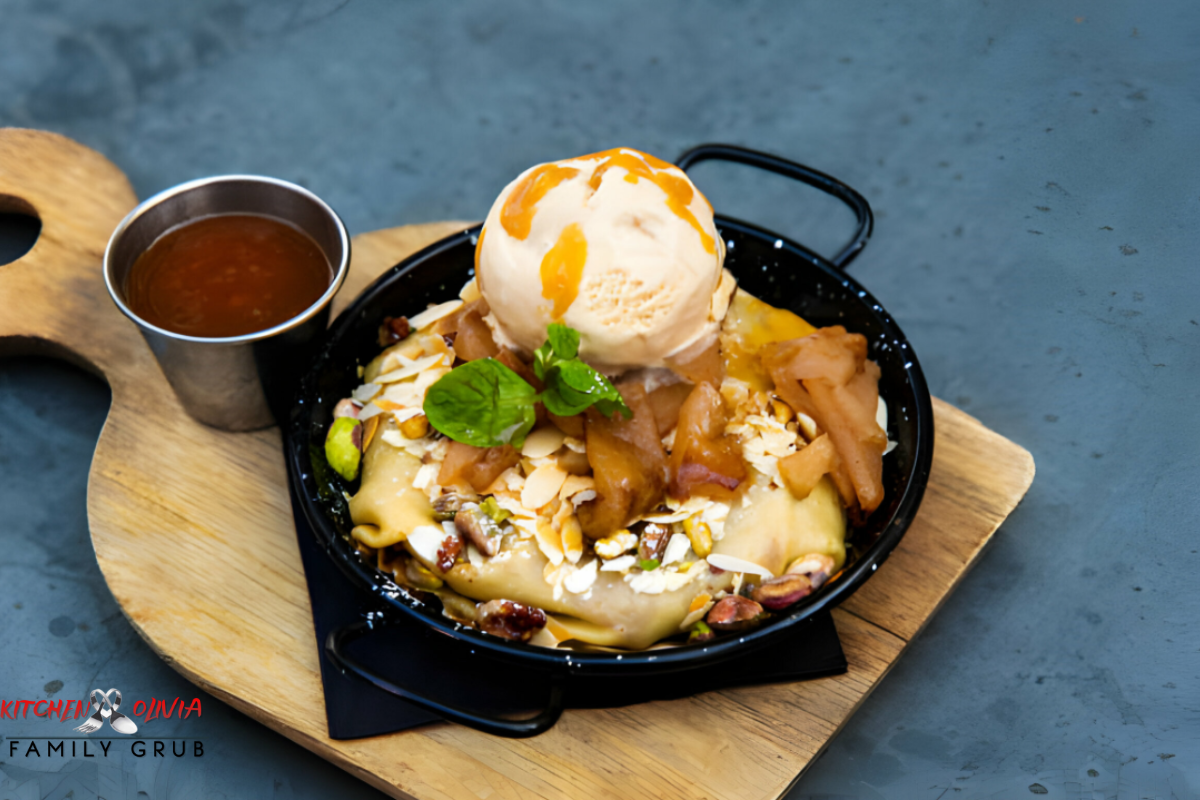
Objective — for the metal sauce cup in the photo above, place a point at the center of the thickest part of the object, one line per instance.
(236, 383)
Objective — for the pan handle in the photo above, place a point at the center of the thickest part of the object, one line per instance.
(789, 169)
(335, 648)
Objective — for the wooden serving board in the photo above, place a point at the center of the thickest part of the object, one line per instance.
(193, 532)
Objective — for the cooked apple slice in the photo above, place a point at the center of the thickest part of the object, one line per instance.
(475, 467)
(704, 460)
(473, 339)
(628, 465)
(802, 471)
(830, 370)
(665, 402)
(699, 363)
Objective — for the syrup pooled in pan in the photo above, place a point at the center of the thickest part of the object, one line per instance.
(227, 275)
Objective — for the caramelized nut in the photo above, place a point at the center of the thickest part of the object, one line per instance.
(511, 620)
(448, 553)
(479, 529)
(415, 427)
(616, 544)
(781, 592)
(393, 330)
(734, 613)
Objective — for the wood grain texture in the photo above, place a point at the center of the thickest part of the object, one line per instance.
(193, 533)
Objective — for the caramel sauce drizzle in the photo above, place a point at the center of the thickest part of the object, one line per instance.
(562, 266)
(521, 205)
(478, 250)
(562, 269)
(679, 189)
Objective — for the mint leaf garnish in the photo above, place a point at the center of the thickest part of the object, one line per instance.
(485, 404)
(482, 403)
(571, 385)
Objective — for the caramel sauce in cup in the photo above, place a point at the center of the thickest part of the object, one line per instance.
(230, 281)
(227, 275)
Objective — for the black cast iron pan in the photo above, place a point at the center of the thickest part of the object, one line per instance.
(779, 271)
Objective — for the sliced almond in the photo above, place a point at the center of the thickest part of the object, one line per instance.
(677, 548)
(542, 486)
(425, 540)
(619, 564)
(365, 392)
(653, 582)
(574, 484)
(394, 438)
(419, 365)
(582, 579)
(470, 291)
(433, 314)
(572, 537)
(549, 542)
(734, 564)
(433, 344)
(425, 476)
(370, 428)
(368, 411)
(505, 481)
(403, 395)
(583, 497)
(543, 442)
(400, 355)
(403, 415)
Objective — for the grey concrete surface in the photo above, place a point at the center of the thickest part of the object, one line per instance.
(1034, 167)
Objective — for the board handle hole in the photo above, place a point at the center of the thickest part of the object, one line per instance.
(20, 228)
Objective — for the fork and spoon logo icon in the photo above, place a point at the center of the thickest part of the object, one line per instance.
(105, 705)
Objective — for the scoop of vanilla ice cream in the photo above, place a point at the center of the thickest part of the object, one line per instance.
(618, 245)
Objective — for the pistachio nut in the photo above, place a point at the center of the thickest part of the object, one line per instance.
(343, 447)
(446, 506)
(781, 592)
(734, 613)
(479, 529)
(700, 633)
(816, 566)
